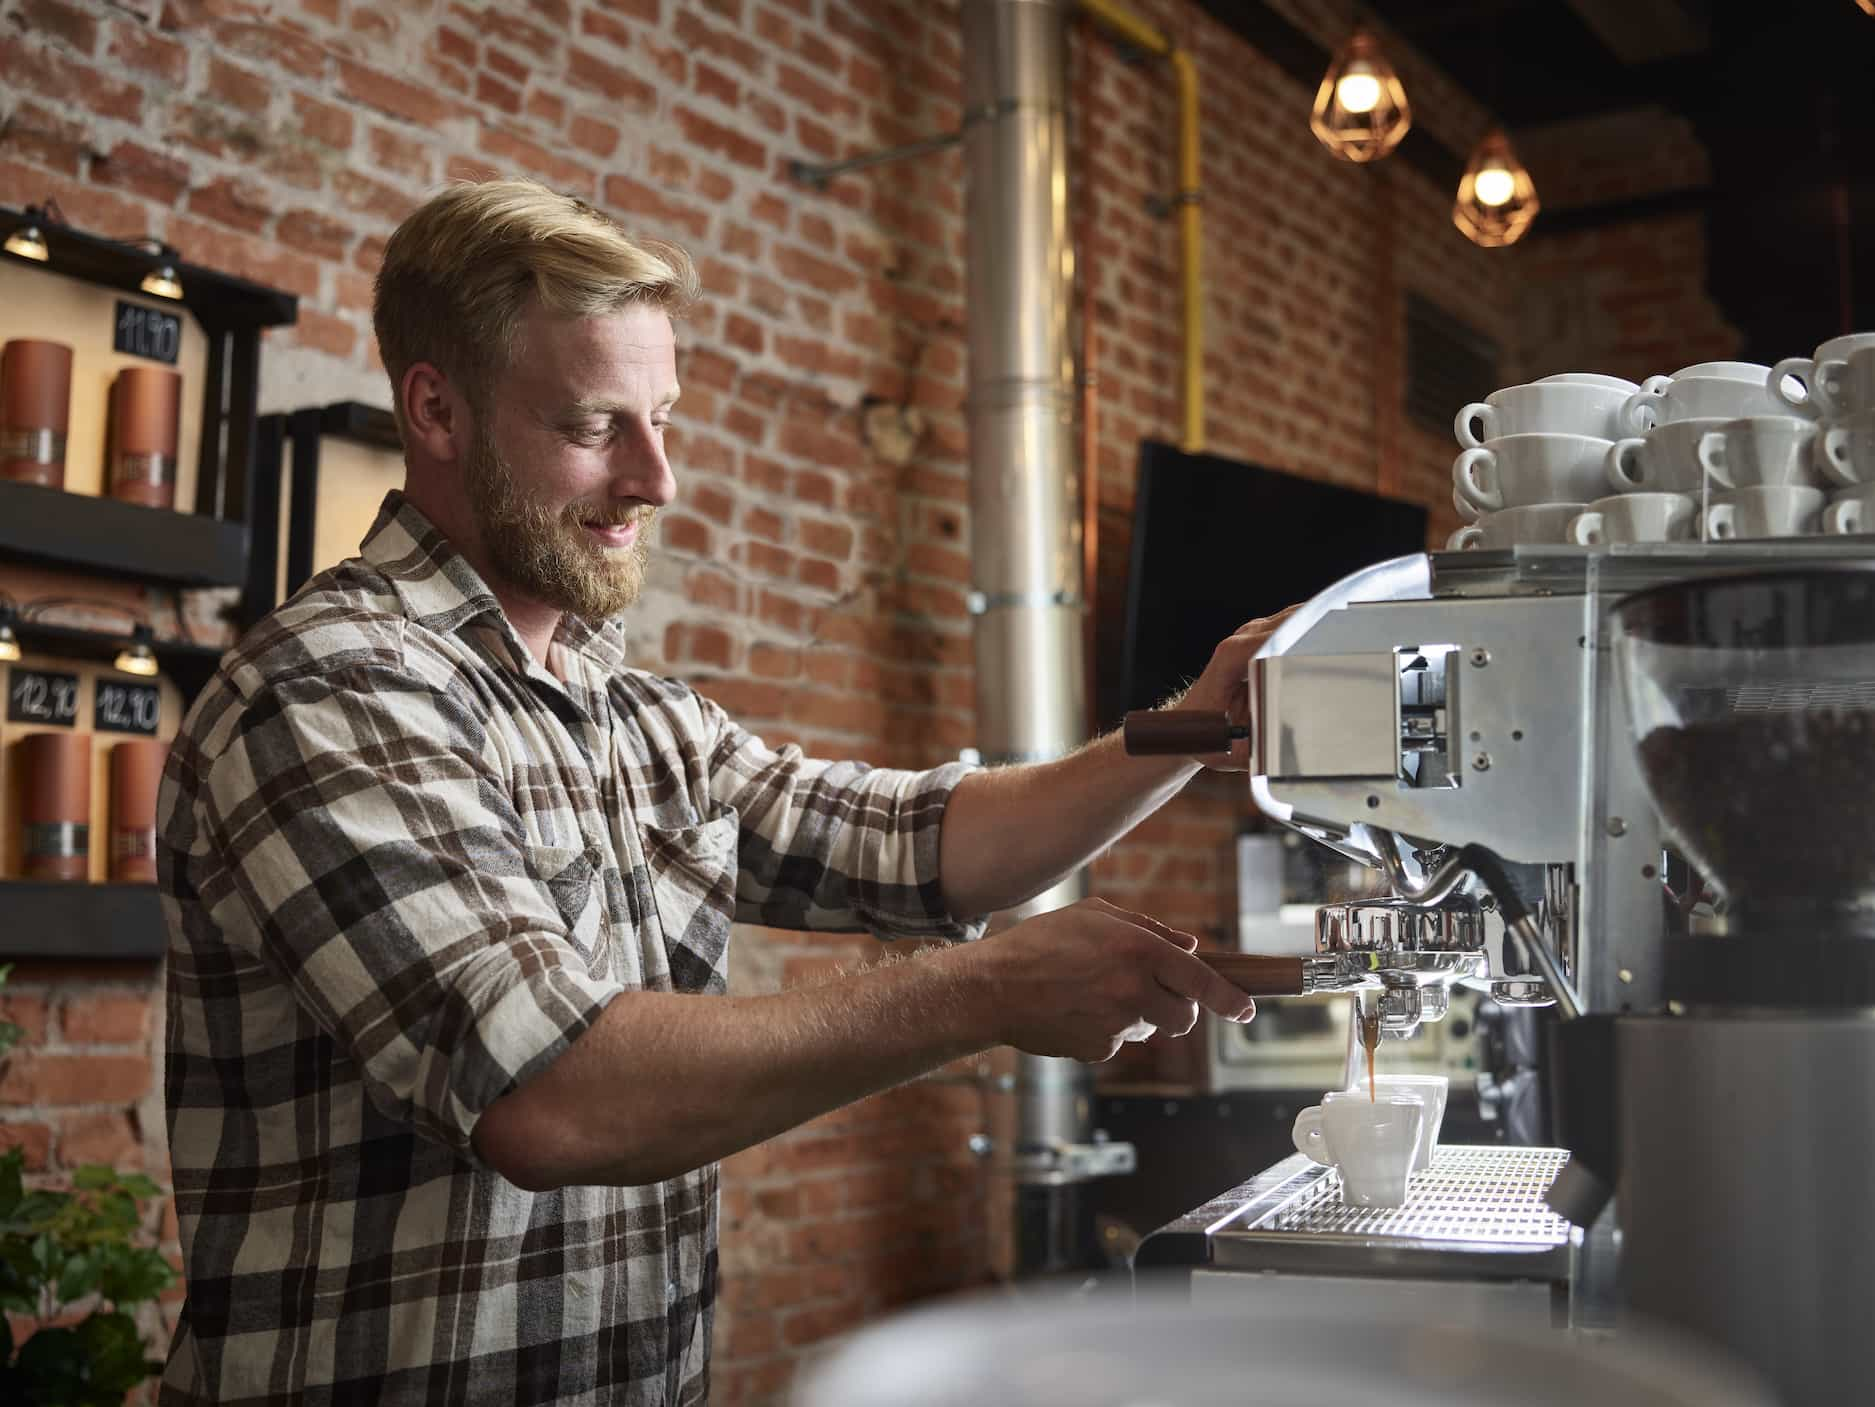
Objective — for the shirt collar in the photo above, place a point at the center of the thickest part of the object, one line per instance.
(442, 592)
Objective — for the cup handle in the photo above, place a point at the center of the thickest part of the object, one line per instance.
(1803, 371)
(1843, 519)
(1474, 475)
(1825, 383)
(1308, 1136)
(1585, 529)
(1622, 465)
(1720, 524)
(1657, 384)
(1484, 414)
(1466, 539)
(1834, 458)
(1712, 457)
(1640, 412)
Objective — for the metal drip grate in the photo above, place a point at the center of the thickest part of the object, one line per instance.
(1477, 1211)
(1469, 1194)
(1799, 695)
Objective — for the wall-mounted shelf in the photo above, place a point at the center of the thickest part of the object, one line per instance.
(62, 921)
(189, 667)
(60, 529)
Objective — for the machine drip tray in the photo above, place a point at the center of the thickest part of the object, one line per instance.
(1478, 1213)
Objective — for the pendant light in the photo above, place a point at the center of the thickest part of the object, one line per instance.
(1360, 110)
(1496, 197)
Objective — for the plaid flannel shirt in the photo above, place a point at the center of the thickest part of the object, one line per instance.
(404, 867)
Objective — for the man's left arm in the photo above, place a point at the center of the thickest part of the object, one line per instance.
(1009, 833)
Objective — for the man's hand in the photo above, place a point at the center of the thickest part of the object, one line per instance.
(1083, 980)
(1225, 685)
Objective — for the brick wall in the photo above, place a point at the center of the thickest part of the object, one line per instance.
(812, 575)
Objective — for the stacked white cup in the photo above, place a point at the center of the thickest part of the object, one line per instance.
(1533, 456)
(1838, 387)
(1714, 452)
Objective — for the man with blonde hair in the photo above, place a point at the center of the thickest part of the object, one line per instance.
(450, 888)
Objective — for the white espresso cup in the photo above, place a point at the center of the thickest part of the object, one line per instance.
(1468, 511)
(1664, 460)
(1725, 371)
(1851, 512)
(1516, 471)
(1844, 385)
(1542, 408)
(1514, 527)
(1758, 450)
(1694, 397)
(1846, 449)
(1431, 1091)
(1635, 517)
(1372, 1144)
(1588, 378)
(1778, 510)
(1793, 380)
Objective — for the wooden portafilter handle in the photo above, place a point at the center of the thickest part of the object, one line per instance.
(1257, 975)
(1179, 732)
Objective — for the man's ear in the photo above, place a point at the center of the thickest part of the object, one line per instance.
(436, 418)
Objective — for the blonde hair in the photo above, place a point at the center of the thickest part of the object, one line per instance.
(460, 271)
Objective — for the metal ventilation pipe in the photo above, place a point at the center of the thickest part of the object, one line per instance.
(1026, 556)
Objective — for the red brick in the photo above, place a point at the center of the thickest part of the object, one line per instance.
(648, 11)
(324, 333)
(527, 158)
(245, 255)
(590, 134)
(107, 1019)
(99, 1138)
(509, 67)
(315, 233)
(357, 191)
(649, 210)
(399, 98)
(148, 52)
(764, 558)
(239, 88)
(743, 333)
(323, 122)
(707, 587)
(457, 47)
(38, 1079)
(547, 107)
(151, 174)
(492, 92)
(713, 83)
(699, 36)
(821, 575)
(834, 540)
(814, 95)
(798, 266)
(45, 138)
(603, 27)
(669, 61)
(61, 21)
(772, 662)
(64, 80)
(36, 1139)
(245, 205)
(700, 131)
(684, 534)
(610, 81)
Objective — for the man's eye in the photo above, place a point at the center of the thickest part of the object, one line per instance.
(590, 434)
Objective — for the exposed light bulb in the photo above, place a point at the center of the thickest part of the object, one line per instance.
(1358, 92)
(162, 282)
(1494, 186)
(9, 643)
(28, 243)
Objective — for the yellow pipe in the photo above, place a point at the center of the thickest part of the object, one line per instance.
(1142, 35)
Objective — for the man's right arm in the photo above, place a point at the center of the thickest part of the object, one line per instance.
(662, 1083)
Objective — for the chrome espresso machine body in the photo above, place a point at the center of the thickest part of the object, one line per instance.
(1472, 724)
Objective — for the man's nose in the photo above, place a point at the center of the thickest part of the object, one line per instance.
(642, 470)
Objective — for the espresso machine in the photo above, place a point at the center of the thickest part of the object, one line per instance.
(1630, 783)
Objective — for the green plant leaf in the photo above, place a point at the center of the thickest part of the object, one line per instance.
(132, 1274)
(92, 1176)
(115, 1353)
(37, 1208)
(53, 1368)
(12, 1187)
(137, 1185)
(78, 1277)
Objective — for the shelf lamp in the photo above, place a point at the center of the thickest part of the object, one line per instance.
(161, 282)
(138, 657)
(1360, 110)
(28, 243)
(1496, 197)
(9, 642)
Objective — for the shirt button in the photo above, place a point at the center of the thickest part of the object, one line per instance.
(670, 1293)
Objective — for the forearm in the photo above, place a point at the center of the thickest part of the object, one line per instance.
(663, 1083)
(1011, 832)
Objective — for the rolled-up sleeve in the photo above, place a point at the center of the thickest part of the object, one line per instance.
(834, 845)
(374, 860)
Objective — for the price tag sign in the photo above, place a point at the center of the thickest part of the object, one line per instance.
(146, 332)
(127, 708)
(42, 696)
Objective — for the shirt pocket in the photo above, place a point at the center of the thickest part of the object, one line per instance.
(573, 879)
(693, 882)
